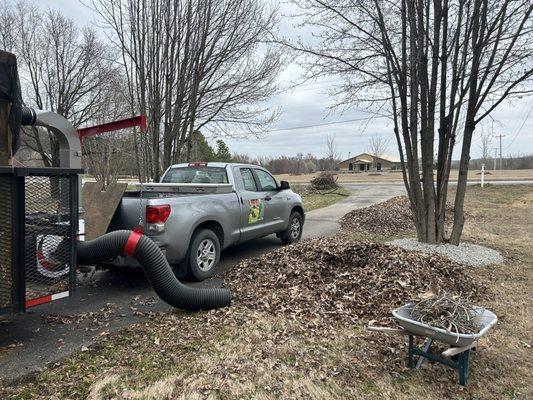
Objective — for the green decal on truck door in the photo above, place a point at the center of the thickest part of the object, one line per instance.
(257, 210)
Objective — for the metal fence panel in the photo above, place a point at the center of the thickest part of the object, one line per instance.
(6, 258)
(48, 203)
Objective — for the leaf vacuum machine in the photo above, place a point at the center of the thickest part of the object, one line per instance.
(40, 242)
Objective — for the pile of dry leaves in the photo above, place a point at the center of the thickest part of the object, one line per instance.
(388, 218)
(335, 279)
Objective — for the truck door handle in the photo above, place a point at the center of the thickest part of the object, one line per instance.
(268, 198)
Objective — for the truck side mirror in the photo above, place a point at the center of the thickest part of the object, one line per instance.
(284, 185)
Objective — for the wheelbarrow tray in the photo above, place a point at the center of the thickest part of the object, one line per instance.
(484, 317)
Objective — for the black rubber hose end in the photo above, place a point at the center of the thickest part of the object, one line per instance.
(28, 116)
(157, 271)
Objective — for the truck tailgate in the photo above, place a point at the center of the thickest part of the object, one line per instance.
(129, 214)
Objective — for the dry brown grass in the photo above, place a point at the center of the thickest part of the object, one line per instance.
(241, 353)
(396, 176)
(313, 200)
(504, 220)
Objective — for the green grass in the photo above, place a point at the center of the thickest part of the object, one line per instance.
(312, 201)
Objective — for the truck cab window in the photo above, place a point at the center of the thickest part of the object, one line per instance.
(248, 180)
(267, 182)
(196, 175)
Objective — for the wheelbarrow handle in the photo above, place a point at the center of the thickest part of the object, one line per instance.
(452, 351)
(387, 330)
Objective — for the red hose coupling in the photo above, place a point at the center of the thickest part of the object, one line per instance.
(131, 243)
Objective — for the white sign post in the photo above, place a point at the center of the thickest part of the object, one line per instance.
(482, 175)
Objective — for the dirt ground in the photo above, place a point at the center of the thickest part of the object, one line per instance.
(243, 353)
(396, 176)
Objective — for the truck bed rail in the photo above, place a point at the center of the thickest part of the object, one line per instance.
(208, 188)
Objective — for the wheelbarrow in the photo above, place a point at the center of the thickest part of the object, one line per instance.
(457, 356)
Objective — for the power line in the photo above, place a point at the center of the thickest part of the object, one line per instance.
(297, 89)
(324, 124)
(521, 126)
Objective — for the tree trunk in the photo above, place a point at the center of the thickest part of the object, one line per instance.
(458, 217)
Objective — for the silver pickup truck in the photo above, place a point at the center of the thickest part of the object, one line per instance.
(199, 209)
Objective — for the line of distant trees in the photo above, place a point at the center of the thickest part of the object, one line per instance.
(117, 165)
(299, 164)
(514, 161)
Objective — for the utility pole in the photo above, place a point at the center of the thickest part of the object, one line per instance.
(495, 157)
(501, 158)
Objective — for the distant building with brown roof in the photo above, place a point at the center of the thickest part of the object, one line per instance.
(365, 162)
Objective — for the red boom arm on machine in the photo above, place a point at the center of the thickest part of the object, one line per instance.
(139, 120)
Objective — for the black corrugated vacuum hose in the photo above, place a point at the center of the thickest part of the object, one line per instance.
(155, 267)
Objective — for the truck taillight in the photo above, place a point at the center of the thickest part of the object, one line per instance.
(157, 214)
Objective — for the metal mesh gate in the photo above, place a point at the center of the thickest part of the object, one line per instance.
(47, 235)
(6, 278)
(43, 218)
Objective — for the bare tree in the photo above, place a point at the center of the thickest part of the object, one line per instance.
(485, 146)
(437, 67)
(242, 158)
(377, 147)
(332, 153)
(106, 155)
(8, 38)
(192, 65)
(299, 163)
(66, 69)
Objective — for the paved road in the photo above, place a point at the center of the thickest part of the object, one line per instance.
(107, 301)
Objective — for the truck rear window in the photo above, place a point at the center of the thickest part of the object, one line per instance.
(196, 175)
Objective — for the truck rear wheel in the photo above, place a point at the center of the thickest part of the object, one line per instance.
(204, 254)
(293, 233)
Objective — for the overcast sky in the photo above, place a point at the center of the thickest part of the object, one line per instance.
(308, 104)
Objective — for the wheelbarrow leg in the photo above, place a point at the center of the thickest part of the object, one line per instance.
(421, 359)
(463, 367)
(410, 362)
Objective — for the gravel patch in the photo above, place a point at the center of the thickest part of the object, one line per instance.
(466, 253)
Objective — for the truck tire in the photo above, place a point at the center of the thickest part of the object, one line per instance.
(293, 233)
(204, 254)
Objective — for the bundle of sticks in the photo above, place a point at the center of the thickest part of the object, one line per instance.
(453, 313)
